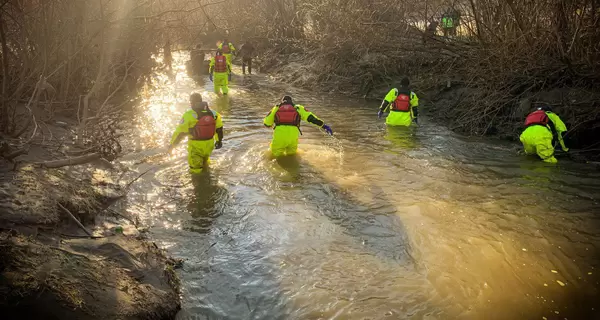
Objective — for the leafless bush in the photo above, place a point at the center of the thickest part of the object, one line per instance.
(80, 58)
(504, 50)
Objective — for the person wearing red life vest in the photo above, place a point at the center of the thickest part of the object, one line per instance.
(220, 72)
(401, 103)
(227, 49)
(204, 129)
(542, 128)
(286, 118)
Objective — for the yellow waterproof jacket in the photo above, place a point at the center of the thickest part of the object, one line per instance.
(231, 48)
(560, 128)
(396, 118)
(391, 96)
(211, 66)
(447, 22)
(304, 115)
(188, 121)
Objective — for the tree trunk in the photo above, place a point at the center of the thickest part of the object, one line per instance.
(477, 21)
(4, 104)
(519, 20)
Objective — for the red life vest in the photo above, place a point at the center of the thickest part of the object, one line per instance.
(220, 64)
(538, 117)
(225, 48)
(287, 115)
(402, 102)
(206, 126)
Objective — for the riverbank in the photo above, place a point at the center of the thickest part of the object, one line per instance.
(469, 88)
(54, 267)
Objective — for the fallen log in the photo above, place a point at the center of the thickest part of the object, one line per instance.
(15, 154)
(70, 161)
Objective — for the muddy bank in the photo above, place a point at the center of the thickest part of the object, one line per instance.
(449, 97)
(52, 268)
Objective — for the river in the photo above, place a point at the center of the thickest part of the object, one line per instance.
(372, 223)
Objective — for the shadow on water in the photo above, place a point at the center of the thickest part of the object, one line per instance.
(374, 225)
(353, 237)
(222, 275)
(207, 203)
(291, 164)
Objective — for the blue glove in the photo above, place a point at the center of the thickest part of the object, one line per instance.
(229, 77)
(379, 114)
(218, 144)
(210, 76)
(327, 129)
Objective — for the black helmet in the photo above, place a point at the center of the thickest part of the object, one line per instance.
(545, 108)
(196, 100)
(287, 99)
(404, 82)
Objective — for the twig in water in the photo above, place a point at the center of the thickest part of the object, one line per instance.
(134, 180)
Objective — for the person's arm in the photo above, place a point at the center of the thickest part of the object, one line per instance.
(387, 101)
(219, 126)
(181, 131)
(559, 129)
(228, 67)
(309, 116)
(232, 48)
(269, 120)
(414, 103)
(211, 65)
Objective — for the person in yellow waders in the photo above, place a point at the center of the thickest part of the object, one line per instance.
(201, 125)
(447, 24)
(401, 103)
(219, 72)
(286, 118)
(542, 128)
(227, 49)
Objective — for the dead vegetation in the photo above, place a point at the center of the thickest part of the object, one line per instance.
(70, 70)
(504, 51)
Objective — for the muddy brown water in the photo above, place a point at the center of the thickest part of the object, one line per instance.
(373, 223)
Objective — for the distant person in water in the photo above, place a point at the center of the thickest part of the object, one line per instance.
(220, 73)
(204, 129)
(402, 105)
(542, 128)
(168, 57)
(286, 117)
(227, 49)
(247, 53)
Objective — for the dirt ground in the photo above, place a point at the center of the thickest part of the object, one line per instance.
(50, 268)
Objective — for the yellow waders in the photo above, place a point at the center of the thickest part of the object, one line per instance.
(537, 139)
(199, 151)
(285, 141)
(285, 137)
(398, 118)
(220, 79)
(220, 82)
